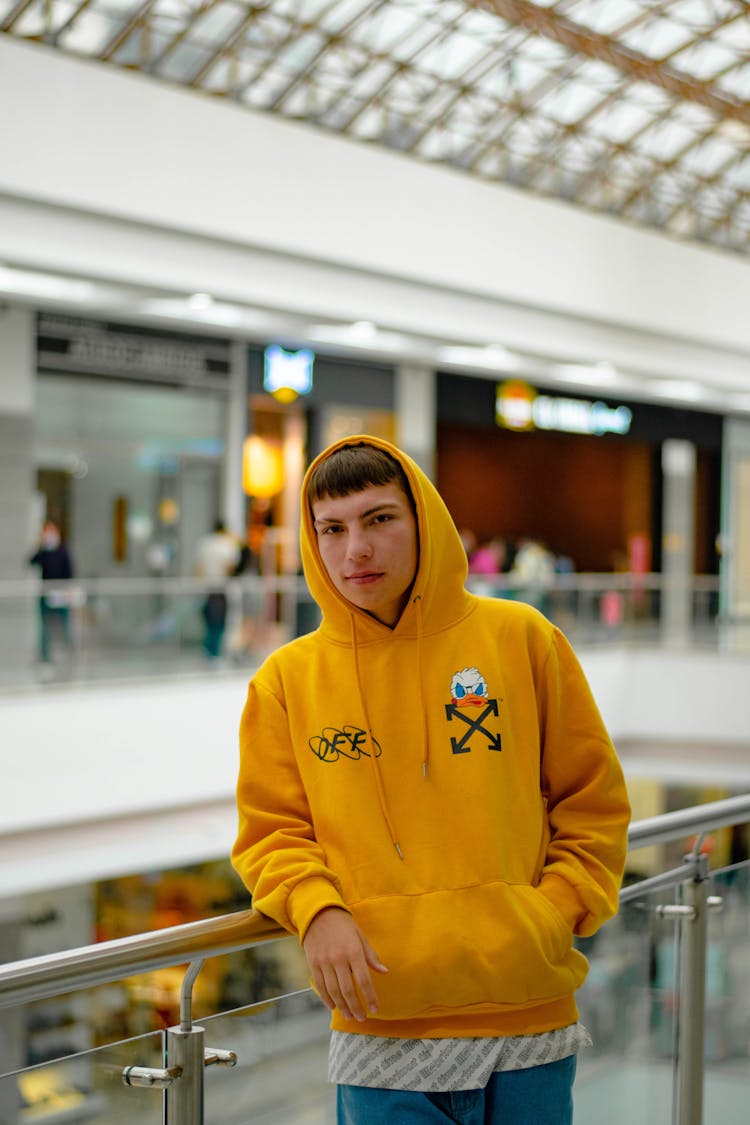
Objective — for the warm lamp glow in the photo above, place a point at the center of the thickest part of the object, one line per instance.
(262, 468)
(285, 394)
(169, 510)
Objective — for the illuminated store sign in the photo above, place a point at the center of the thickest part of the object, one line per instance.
(519, 407)
(288, 374)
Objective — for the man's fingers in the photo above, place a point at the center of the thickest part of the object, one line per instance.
(341, 988)
(321, 988)
(372, 958)
(341, 960)
(363, 981)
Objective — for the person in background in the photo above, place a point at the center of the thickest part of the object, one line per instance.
(218, 554)
(429, 799)
(55, 565)
(248, 605)
(469, 541)
(489, 558)
(534, 573)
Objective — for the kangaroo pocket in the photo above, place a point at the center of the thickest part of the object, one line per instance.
(479, 948)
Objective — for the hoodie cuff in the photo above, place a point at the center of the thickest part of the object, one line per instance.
(307, 899)
(565, 900)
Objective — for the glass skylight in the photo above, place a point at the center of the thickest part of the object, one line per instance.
(640, 108)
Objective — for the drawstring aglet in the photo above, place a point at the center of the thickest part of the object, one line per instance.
(424, 770)
(397, 846)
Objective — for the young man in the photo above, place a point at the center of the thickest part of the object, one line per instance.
(429, 799)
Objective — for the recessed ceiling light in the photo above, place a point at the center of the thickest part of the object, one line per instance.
(29, 283)
(363, 330)
(498, 355)
(493, 356)
(199, 301)
(683, 389)
(590, 374)
(360, 334)
(219, 313)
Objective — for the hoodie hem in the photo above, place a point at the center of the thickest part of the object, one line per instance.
(533, 1020)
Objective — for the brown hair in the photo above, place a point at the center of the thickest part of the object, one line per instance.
(352, 468)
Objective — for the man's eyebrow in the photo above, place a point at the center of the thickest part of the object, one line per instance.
(379, 508)
(385, 506)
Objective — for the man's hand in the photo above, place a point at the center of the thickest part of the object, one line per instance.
(340, 959)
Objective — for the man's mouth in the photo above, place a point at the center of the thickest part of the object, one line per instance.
(364, 577)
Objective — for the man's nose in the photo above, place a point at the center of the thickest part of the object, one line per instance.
(358, 545)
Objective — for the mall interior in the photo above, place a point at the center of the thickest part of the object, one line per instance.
(511, 238)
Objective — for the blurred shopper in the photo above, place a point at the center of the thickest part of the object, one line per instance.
(534, 573)
(429, 799)
(489, 558)
(469, 541)
(249, 605)
(217, 557)
(55, 564)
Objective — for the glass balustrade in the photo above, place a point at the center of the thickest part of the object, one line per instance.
(115, 628)
(86, 1087)
(92, 630)
(280, 1076)
(727, 1023)
(636, 1003)
(629, 1004)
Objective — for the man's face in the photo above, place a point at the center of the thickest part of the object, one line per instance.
(369, 546)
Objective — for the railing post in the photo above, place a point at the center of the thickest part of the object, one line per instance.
(182, 1078)
(691, 1034)
(184, 1099)
(185, 1051)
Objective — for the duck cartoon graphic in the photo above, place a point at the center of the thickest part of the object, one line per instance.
(469, 688)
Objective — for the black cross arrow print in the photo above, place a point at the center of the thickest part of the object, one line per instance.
(459, 745)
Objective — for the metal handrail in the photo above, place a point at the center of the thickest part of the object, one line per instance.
(54, 974)
(674, 825)
(40, 978)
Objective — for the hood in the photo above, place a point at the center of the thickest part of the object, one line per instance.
(441, 572)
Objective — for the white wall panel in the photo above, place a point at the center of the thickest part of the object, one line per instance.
(118, 778)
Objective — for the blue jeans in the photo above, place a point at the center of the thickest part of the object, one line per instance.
(50, 618)
(214, 612)
(540, 1095)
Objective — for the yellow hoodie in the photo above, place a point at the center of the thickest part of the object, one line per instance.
(449, 781)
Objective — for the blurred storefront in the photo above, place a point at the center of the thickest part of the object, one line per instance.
(579, 473)
(296, 419)
(129, 442)
(132, 452)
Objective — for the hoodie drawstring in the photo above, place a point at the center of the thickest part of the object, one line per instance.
(379, 788)
(422, 709)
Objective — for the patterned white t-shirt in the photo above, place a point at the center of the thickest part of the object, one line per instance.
(439, 1065)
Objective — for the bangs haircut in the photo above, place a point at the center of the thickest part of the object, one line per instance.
(352, 468)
